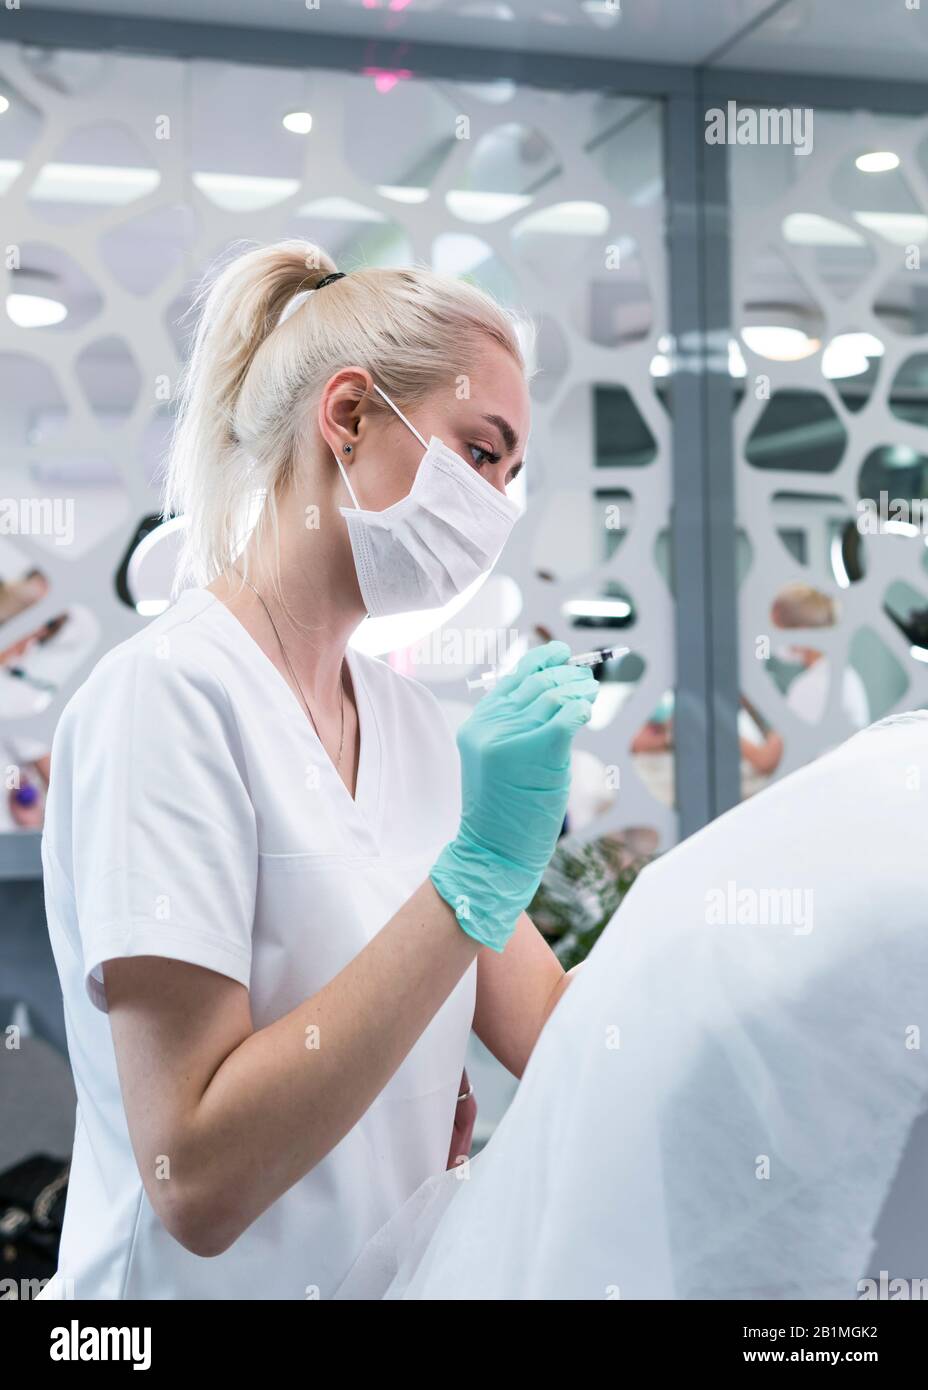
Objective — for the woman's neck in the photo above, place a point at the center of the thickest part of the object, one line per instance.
(316, 578)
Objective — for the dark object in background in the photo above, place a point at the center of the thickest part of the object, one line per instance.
(32, 1198)
(915, 626)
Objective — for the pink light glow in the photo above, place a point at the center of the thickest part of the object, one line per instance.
(385, 79)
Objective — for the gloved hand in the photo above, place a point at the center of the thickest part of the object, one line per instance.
(515, 777)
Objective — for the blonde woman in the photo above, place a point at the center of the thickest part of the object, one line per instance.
(279, 892)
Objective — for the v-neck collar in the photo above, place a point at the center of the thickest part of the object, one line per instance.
(366, 804)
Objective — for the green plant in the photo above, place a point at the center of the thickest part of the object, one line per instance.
(580, 891)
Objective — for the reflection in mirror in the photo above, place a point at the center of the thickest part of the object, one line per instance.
(901, 302)
(908, 609)
(908, 394)
(782, 321)
(623, 439)
(612, 608)
(760, 747)
(847, 549)
(837, 254)
(35, 665)
(618, 678)
(612, 305)
(801, 671)
(801, 605)
(893, 479)
(851, 361)
(814, 528)
(871, 185)
(652, 751)
(797, 430)
(883, 678)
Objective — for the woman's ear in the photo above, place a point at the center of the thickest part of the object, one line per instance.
(343, 408)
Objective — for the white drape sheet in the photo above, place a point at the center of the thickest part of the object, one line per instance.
(716, 1109)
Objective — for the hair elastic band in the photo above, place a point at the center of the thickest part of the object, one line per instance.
(302, 295)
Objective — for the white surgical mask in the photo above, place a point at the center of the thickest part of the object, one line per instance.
(428, 547)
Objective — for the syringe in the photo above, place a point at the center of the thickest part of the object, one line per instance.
(489, 678)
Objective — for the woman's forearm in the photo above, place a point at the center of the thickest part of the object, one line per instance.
(289, 1092)
(558, 991)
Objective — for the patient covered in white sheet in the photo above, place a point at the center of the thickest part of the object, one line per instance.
(718, 1106)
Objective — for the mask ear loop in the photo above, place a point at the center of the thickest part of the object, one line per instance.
(341, 469)
(397, 411)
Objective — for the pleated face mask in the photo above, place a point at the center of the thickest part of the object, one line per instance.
(428, 547)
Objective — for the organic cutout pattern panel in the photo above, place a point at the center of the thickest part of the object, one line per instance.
(123, 177)
(831, 365)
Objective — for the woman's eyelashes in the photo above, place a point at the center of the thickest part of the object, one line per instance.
(488, 455)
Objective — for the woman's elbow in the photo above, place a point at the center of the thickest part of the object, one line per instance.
(196, 1220)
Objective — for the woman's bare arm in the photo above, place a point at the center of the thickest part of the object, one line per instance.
(516, 991)
(224, 1119)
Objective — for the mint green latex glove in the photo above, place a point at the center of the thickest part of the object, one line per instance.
(515, 777)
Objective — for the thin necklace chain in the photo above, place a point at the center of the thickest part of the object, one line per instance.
(341, 741)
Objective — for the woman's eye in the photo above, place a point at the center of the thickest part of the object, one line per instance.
(488, 455)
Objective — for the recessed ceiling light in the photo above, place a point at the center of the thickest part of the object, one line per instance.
(879, 162)
(34, 310)
(780, 343)
(299, 122)
(4, 104)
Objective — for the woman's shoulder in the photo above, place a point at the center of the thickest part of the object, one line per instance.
(167, 660)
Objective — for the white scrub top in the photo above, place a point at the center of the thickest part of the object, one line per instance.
(194, 814)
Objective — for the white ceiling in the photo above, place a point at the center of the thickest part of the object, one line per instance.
(875, 38)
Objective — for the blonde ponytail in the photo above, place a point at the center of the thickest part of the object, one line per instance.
(250, 378)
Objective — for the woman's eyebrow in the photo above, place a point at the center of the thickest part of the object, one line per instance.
(509, 436)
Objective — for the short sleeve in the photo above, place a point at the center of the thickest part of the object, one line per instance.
(163, 829)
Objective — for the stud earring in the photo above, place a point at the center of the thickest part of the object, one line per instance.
(346, 448)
